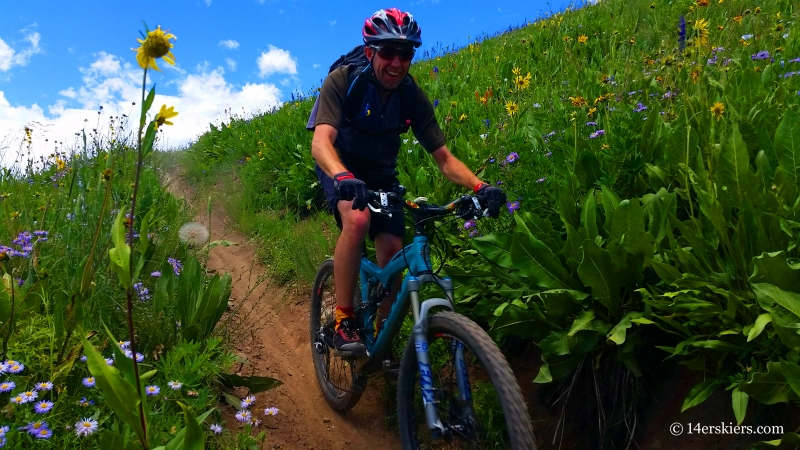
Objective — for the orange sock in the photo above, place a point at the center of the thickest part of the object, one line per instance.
(341, 314)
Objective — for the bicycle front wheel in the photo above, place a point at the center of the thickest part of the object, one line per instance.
(494, 414)
(340, 384)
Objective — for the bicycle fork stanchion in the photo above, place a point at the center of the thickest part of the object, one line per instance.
(420, 332)
(462, 378)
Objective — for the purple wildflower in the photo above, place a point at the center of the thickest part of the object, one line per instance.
(640, 107)
(435, 69)
(152, 390)
(216, 428)
(682, 33)
(176, 265)
(89, 382)
(435, 103)
(469, 224)
(43, 407)
(512, 206)
(796, 60)
(597, 133)
(763, 54)
(541, 180)
(548, 154)
(513, 156)
(591, 124)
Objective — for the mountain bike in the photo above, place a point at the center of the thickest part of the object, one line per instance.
(455, 388)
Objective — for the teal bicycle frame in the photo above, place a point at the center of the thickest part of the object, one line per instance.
(416, 258)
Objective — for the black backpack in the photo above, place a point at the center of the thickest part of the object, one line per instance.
(359, 77)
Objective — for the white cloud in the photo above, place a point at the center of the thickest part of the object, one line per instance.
(201, 98)
(208, 2)
(230, 44)
(10, 57)
(276, 60)
(332, 22)
(315, 65)
(231, 63)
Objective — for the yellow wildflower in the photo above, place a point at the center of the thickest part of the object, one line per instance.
(582, 39)
(702, 2)
(462, 118)
(717, 110)
(516, 70)
(60, 164)
(453, 104)
(578, 101)
(567, 38)
(744, 43)
(757, 10)
(700, 32)
(163, 116)
(737, 19)
(497, 58)
(156, 45)
(591, 112)
(523, 83)
(695, 76)
(512, 108)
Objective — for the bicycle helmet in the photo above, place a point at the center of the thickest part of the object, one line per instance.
(392, 25)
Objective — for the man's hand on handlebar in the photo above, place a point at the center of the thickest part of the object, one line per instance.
(349, 188)
(495, 198)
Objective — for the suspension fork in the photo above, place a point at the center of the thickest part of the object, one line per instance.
(420, 333)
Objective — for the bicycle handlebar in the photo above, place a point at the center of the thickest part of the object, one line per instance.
(466, 205)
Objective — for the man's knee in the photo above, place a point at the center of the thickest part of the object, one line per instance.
(354, 222)
(386, 246)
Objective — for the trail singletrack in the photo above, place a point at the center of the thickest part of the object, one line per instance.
(272, 334)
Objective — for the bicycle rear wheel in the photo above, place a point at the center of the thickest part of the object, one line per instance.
(494, 416)
(340, 384)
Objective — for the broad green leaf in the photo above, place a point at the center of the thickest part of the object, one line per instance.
(177, 443)
(787, 439)
(149, 139)
(534, 260)
(121, 253)
(580, 322)
(739, 402)
(5, 298)
(148, 102)
(589, 216)
(769, 387)
(628, 228)
(733, 168)
(610, 203)
(699, 394)
(495, 247)
(596, 273)
(120, 395)
(761, 321)
(667, 273)
(253, 383)
(541, 229)
(560, 343)
(193, 437)
(556, 367)
(787, 147)
(766, 292)
(618, 333)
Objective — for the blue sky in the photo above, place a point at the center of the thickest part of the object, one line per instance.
(60, 61)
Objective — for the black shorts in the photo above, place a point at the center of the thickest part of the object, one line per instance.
(378, 223)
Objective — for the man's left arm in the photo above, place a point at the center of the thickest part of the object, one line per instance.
(454, 170)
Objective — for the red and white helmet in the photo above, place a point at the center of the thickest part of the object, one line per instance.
(392, 25)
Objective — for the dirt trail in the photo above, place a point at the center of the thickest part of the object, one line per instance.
(274, 338)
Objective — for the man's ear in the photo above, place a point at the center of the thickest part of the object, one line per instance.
(369, 52)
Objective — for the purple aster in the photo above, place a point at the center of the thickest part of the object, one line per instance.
(548, 154)
(7, 386)
(513, 156)
(89, 382)
(469, 224)
(591, 124)
(43, 407)
(763, 54)
(597, 133)
(473, 233)
(273, 411)
(83, 358)
(712, 61)
(155, 274)
(85, 427)
(796, 60)
(248, 401)
(33, 428)
(512, 206)
(176, 265)
(29, 396)
(640, 107)
(43, 433)
(216, 428)
(152, 390)
(244, 415)
(44, 386)
(85, 402)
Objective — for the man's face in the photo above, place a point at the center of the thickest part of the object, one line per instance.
(390, 63)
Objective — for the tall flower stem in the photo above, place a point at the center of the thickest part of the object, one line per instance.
(129, 293)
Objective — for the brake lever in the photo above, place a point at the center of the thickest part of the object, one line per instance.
(378, 210)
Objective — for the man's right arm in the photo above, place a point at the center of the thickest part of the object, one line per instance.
(323, 151)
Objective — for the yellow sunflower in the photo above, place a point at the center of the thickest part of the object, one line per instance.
(156, 45)
(163, 116)
(582, 39)
(700, 33)
(512, 108)
(578, 101)
(717, 110)
(523, 83)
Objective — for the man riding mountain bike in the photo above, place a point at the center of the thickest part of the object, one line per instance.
(357, 152)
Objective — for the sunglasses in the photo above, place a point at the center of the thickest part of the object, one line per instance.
(389, 53)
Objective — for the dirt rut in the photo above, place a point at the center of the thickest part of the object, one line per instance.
(272, 334)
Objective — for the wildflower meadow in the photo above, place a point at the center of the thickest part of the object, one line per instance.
(650, 151)
(107, 315)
